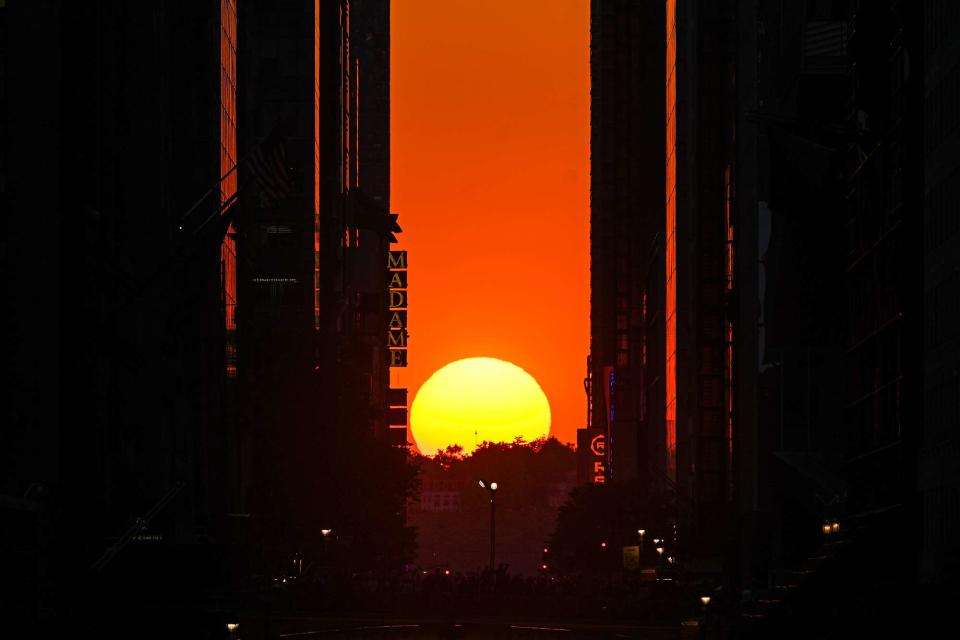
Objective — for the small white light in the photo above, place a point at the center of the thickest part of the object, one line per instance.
(493, 485)
(232, 626)
(660, 550)
(325, 532)
(641, 532)
(705, 600)
(482, 486)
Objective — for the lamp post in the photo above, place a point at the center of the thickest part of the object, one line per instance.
(640, 532)
(492, 490)
(326, 536)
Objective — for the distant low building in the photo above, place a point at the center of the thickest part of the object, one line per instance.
(441, 496)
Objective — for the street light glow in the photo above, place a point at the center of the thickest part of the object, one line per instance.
(482, 486)
(325, 532)
(660, 550)
(493, 485)
(705, 600)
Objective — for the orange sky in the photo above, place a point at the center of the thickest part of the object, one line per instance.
(490, 116)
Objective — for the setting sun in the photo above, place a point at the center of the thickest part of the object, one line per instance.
(475, 400)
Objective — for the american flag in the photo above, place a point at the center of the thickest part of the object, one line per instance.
(269, 165)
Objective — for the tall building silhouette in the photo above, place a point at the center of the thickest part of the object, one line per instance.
(939, 485)
(626, 190)
(116, 405)
(176, 389)
(709, 275)
(312, 321)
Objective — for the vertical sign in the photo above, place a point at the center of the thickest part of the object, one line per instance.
(592, 455)
(397, 314)
(397, 416)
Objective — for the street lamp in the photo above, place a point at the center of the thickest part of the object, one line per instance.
(492, 490)
(640, 532)
(326, 536)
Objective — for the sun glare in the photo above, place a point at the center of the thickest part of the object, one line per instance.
(475, 400)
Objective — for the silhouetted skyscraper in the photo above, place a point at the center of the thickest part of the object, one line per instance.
(939, 450)
(626, 190)
(117, 361)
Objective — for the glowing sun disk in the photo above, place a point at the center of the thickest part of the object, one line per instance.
(474, 400)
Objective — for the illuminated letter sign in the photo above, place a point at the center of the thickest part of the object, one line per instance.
(398, 279)
(598, 449)
(398, 357)
(397, 329)
(398, 299)
(599, 445)
(398, 320)
(592, 455)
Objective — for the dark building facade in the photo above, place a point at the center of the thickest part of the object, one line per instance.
(176, 388)
(625, 396)
(939, 451)
(115, 408)
(313, 299)
(803, 86)
(710, 280)
(673, 280)
(805, 378)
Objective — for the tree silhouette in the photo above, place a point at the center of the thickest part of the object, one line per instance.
(528, 474)
(599, 520)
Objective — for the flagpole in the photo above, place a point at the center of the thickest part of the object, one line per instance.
(181, 252)
(216, 185)
(223, 207)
